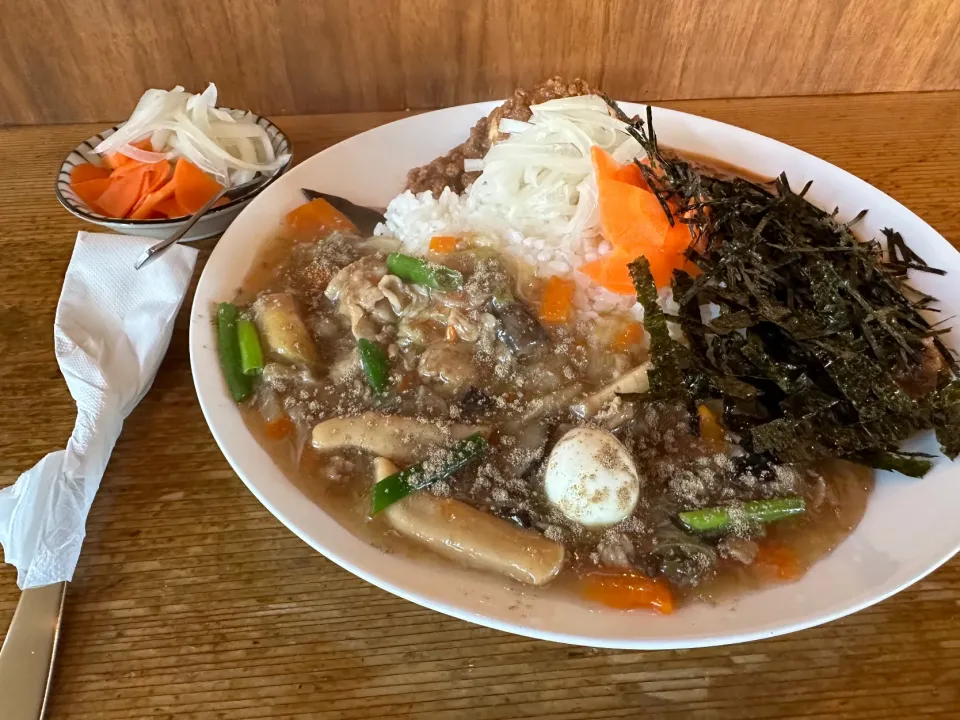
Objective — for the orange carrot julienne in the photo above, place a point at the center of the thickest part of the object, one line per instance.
(443, 243)
(556, 303)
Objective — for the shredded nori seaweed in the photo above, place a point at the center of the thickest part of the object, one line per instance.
(818, 337)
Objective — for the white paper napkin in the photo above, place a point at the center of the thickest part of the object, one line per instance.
(112, 328)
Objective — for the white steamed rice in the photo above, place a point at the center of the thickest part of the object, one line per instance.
(536, 199)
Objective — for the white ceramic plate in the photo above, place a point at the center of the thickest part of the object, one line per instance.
(910, 526)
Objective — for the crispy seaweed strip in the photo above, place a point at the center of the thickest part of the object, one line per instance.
(909, 464)
(821, 347)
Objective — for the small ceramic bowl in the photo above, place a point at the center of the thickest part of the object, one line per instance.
(213, 223)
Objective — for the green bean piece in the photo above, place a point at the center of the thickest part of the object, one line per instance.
(718, 519)
(375, 365)
(421, 272)
(423, 474)
(228, 344)
(251, 354)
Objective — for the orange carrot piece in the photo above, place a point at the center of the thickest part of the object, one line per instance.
(634, 222)
(156, 176)
(192, 186)
(90, 191)
(711, 429)
(611, 272)
(85, 172)
(280, 428)
(604, 164)
(630, 336)
(168, 206)
(120, 197)
(556, 303)
(117, 160)
(778, 560)
(317, 218)
(630, 215)
(628, 591)
(443, 243)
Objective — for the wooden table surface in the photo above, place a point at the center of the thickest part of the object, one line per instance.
(192, 601)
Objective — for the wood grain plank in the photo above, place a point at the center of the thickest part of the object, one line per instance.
(85, 60)
(192, 601)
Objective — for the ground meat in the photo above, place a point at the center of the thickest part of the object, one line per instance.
(447, 170)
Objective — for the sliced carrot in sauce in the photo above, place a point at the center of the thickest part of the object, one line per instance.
(90, 191)
(443, 243)
(317, 218)
(779, 561)
(556, 302)
(628, 591)
(629, 337)
(280, 428)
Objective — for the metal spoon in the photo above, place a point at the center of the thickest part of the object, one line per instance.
(229, 193)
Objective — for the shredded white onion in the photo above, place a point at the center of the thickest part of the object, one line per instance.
(536, 198)
(231, 148)
(539, 182)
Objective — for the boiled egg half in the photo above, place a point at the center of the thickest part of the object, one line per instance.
(591, 478)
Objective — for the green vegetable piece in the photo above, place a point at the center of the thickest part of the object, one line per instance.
(912, 465)
(421, 272)
(228, 344)
(718, 519)
(375, 365)
(423, 474)
(251, 354)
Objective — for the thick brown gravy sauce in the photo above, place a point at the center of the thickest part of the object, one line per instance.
(341, 484)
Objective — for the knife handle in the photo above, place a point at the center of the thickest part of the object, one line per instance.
(28, 652)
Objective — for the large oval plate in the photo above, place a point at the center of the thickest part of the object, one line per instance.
(909, 528)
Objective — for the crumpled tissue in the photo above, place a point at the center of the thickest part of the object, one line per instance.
(112, 329)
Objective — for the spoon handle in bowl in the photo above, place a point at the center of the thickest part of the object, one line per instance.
(155, 250)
